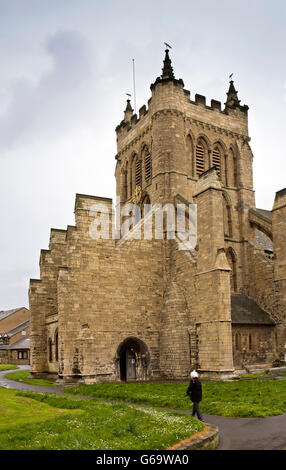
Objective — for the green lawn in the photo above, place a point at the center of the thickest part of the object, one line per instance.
(8, 366)
(24, 376)
(240, 398)
(49, 422)
(17, 410)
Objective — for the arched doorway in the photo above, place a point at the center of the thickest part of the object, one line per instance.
(133, 359)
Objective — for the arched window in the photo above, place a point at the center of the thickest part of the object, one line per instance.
(201, 157)
(57, 345)
(137, 169)
(232, 170)
(146, 205)
(132, 162)
(250, 342)
(227, 221)
(217, 160)
(126, 182)
(147, 159)
(232, 263)
(190, 155)
(50, 350)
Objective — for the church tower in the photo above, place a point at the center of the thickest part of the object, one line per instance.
(162, 153)
(132, 308)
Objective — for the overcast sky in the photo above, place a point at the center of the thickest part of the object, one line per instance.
(64, 70)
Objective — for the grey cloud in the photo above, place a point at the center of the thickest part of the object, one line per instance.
(54, 104)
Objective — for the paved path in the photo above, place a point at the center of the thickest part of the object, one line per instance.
(235, 433)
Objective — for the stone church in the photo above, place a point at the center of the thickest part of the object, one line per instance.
(130, 308)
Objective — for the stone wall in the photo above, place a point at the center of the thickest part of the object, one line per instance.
(279, 231)
(172, 307)
(106, 294)
(253, 344)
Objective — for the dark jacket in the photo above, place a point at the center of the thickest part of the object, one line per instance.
(195, 390)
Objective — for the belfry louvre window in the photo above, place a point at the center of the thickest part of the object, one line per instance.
(148, 165)
(217, 160)
(200, 159)
(138, 178)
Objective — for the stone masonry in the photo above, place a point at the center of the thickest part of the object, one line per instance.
(129, 308)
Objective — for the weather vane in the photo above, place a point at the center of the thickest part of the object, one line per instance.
(231, 75)
(168, 45)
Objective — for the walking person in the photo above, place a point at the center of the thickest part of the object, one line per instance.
(195, 393)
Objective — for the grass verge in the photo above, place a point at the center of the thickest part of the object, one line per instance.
(35, 423)
(24, 376)
(240, 398)
(16, 410)
(7, 367)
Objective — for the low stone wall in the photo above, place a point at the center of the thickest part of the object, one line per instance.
(276, 370)
(208, 439)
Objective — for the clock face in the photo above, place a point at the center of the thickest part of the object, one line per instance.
(136, 197)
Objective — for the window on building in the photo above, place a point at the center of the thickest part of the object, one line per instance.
(190, 155)
(201, 156)
(232, 170)
(146, 205)
(252, 342)
(57, 345)
(217, 160)
(147, 159)
(138, 172)
(238, 341)
(22, 354)
(232, 263)
(50, 350)
(227, 217)
(126, 182)
(4, 339)
(131, 169)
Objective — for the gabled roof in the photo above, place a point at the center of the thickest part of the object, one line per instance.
(6, 313)
(23, 343)
(18, 328)
(245, 311)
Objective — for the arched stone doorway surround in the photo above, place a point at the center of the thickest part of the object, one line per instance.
(132, 359)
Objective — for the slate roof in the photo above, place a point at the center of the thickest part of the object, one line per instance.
(18, 328)
(23, 343)
(245, 311)
(6, 313)
(264, 241)
(13, 332)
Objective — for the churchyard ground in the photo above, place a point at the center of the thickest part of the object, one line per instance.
(49, 422)
(258, 397)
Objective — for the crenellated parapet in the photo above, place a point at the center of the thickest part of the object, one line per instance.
(169, 93)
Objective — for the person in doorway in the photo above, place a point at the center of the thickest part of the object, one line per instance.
(194, 391)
